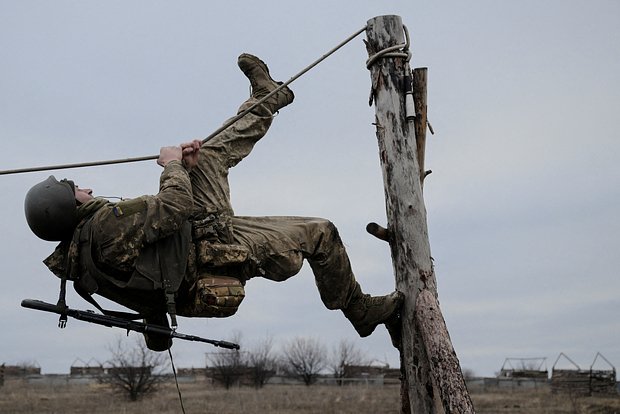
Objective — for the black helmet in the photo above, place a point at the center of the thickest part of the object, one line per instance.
(51, 209)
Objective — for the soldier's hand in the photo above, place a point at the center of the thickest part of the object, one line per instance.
(167, 154)
(191, 153)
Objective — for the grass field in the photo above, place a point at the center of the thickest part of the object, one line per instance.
(19, 397)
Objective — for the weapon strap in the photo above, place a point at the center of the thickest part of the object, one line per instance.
(62, 295)
(62, 303)
(89, 298)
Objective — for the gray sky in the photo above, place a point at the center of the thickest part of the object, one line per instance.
(522, 203)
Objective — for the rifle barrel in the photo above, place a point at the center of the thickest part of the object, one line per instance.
(116, 322)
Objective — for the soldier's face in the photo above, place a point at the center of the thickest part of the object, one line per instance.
(83, 195)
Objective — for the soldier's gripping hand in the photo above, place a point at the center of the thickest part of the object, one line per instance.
(167, 154)
(191, 153)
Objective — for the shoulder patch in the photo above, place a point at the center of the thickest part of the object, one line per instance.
(129, 207)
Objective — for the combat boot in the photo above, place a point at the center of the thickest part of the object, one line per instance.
(262, 83)
(365, 312)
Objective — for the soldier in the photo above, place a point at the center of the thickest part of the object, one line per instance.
(184, 249)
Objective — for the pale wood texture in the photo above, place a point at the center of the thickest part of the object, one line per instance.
(445, 367)
(419, 98)
(406, 216)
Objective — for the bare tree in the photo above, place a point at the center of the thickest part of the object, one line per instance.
(304, 358)
(227, 367)
(344, 355)
(262, 363)
(134, 371)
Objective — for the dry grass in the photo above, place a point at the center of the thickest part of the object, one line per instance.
(17, 397)
(542, 402)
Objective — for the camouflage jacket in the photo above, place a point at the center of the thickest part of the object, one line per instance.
(120, 232)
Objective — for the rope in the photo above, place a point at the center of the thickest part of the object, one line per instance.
(285, 84)
(213, 134)
(77, 165)
(401, 50)
(176, 380)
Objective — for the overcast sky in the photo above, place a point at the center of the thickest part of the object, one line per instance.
(522, 202)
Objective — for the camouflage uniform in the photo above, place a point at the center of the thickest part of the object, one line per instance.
(278, 245)
(120, 232)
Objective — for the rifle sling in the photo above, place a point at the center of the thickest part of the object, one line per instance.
(89, 298)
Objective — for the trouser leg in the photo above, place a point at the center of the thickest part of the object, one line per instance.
(332, 269)
(210, 177)
(280, 244)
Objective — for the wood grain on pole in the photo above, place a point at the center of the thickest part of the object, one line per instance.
(419, 80)
(406, 217)
(445, 367)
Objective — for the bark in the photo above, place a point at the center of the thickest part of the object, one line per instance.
(419, 99)
(445, 367)
(407, 231)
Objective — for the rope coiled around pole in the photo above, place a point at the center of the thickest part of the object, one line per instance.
(401, 51)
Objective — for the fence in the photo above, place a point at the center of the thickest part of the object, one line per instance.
(584, 382)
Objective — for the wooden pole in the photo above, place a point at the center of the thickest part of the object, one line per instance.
(445, 368)
(426, 386)
(419, 99)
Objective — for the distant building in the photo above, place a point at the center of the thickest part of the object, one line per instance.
(21, 371)
(585, 382)
(365, 375)
(524, 368)
(86, 371)
(192, 372)
(92, 368)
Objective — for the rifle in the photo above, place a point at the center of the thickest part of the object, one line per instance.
(128, 325)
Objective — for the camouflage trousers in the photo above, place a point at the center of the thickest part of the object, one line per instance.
(278, 245)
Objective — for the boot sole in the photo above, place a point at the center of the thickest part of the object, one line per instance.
(241, 62)
(255, 61)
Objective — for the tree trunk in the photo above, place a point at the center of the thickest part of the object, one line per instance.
(407, 229)
(445, 367)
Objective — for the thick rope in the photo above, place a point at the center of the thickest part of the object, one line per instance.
(213, 134)
(77, 165)
(282, 86)
(401, 50)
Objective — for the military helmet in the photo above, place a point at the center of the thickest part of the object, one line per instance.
(51, 209)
